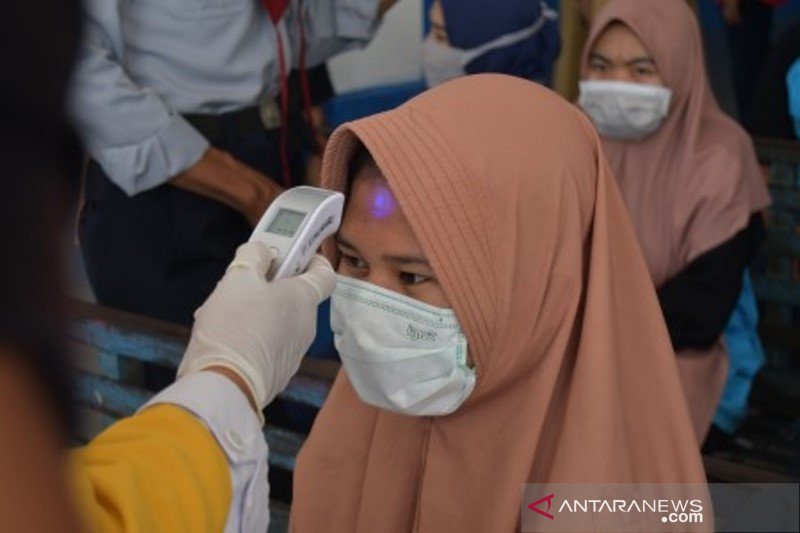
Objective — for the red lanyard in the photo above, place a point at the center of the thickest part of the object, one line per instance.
(276, 9)
(304, 85)
(287, 176)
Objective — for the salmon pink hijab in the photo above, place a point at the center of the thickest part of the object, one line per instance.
(693, 184)
(505, 185)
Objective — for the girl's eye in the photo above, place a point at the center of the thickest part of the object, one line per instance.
(644, 72)
(413, 279)
(354, 262)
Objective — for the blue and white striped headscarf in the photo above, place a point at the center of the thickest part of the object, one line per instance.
(472, 23)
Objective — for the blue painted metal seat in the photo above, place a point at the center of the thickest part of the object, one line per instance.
(111, 349)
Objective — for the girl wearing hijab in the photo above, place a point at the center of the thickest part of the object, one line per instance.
(688, 173)
(516, 37)
(494, 316)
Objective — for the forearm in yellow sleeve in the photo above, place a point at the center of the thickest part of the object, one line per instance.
(161, 470)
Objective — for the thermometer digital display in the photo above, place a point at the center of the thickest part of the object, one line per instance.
(294, 226)
(286, 222)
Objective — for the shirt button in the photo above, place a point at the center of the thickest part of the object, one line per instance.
(234, 438)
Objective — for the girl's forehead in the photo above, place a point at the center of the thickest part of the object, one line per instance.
(618, 37)
(371, 193)
(381, 201)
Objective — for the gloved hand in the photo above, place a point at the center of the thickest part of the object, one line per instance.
(256, 328)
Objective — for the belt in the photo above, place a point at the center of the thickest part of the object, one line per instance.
(245, 121)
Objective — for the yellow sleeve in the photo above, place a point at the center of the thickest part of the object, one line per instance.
(161, 470)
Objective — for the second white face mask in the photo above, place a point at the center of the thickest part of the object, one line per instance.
(623, 110)
(400, 354)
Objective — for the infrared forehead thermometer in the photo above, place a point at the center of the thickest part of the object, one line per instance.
(295, 225)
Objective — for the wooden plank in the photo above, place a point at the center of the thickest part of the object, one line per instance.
(145, 339)
(307, 391)
(777, 150)
(722, 471)
(284, 445)
(91, 422)
(784, 336)
(788, 199)
(134, 337)
(92, 360)
(780, 243)
(323, 369)
(112, 397)
(106, 341)
(97, 362)
(278, 517)
(159, 329)
(101, 390)
(777, 291)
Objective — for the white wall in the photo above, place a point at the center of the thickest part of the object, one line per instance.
(392, 57)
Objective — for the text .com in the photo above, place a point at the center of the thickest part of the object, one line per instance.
(683, 518)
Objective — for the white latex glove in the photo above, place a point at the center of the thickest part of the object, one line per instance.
(256, 328)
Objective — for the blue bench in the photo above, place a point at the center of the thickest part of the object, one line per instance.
(110, 351)
(771, 429)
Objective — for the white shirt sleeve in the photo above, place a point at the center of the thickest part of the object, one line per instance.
(138, 140)
(222, 407)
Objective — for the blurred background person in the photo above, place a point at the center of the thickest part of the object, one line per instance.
(770, 113)
(184, 109)
(516, 37)
(748, 25)
(575, 20)
(193, 457)
(41, 160)
(688, 173)
(308, 124)
(793, 85)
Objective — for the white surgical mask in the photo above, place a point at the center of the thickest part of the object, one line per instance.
(400, 354)
(623, 110)
(441, 62)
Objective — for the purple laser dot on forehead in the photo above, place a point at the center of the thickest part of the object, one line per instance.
(382, 202)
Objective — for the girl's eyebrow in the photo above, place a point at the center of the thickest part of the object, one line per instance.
(600, 57)
(407, 260)
(397, 259)
(648, 60)
(343, 242)
(644, 59)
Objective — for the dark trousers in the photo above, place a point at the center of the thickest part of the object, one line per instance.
(160, 253)
(749, 44)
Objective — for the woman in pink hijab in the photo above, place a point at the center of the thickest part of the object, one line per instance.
(495, 318)
(688, 173)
